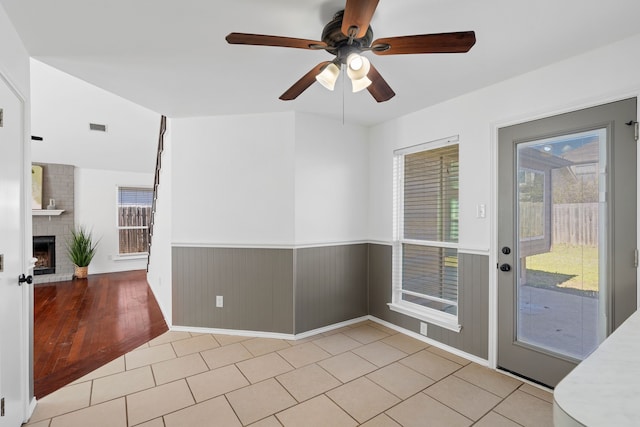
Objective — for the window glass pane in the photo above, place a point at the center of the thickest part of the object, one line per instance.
(134, 210)
(132, 241)
(434, 305)
(430, 274)
(531, 203)
(135, 196)
(134, 216)
(431, 195)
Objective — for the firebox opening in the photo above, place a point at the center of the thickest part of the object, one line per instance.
(44, 250)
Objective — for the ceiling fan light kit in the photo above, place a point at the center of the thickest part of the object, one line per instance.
(358, 68)
(329, 76)
(347, 36)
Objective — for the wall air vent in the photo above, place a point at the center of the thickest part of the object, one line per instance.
(97, 127)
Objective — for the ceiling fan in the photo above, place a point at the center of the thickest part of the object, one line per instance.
(347, 36)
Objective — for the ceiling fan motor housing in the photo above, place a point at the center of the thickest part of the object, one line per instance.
(338, 42)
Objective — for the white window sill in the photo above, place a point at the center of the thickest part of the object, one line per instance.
(443, 320)
(129, 257)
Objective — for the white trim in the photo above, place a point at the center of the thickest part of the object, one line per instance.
(474, 251)
(492, 350)
(426, 314)
(427, 340)
(31, 408)
(330, 328)
(241, 333)
(381, 242)
(125, 257)
(434, 317)
(329, 244)
(303, 335)
(232, 245)
(431, 145)
(430, 243)
(466, 250)
(274, 335)
(223, 245)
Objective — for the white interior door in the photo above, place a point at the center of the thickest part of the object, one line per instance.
(13, 296)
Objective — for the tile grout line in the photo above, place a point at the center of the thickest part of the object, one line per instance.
(316, 364)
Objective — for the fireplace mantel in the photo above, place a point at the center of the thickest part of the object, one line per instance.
(47, 212)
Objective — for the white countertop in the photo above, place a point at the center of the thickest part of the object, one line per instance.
(604, 390)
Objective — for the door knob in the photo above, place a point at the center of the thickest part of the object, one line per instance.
(505, 267)
(22, 279)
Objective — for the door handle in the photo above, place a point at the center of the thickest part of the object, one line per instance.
(22, 278)
(505, 267)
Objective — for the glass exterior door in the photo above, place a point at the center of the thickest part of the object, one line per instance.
(566, 237)
(559, 226)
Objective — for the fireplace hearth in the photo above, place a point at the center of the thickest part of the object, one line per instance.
(44, 250)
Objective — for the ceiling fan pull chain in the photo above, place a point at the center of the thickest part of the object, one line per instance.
(344, 83)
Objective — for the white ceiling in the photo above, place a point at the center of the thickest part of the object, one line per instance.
(171, 56)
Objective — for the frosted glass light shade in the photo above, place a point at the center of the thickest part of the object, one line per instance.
(358, 66)
(360, 84)
(329, 76)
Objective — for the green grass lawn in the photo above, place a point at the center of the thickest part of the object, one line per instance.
(565, 267)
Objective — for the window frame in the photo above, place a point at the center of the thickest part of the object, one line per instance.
(427, 314)
(130, 255)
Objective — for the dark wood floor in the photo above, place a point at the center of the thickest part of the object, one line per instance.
(82, 324)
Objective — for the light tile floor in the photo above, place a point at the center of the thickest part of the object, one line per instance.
(365, 374)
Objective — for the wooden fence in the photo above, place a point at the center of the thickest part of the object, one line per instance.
(575, 224)
(571, 223)
(134, 240)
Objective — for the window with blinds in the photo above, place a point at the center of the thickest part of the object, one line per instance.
(426, 235)
(134, 216)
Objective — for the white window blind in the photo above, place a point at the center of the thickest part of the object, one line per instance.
(426, 242)
(134, 216)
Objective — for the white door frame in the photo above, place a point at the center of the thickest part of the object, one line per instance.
(493, 253)
(27, 264)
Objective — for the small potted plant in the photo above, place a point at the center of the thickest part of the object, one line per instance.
(81, 250)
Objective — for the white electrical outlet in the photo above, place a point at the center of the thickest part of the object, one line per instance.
(423, 328)
(219, 301)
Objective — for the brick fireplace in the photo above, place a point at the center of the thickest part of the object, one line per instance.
(58, 184)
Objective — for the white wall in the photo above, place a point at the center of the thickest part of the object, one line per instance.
(14, 59)
(596, 77)
(232, 181)
(96, 209)
(62, 108)
(331, 188)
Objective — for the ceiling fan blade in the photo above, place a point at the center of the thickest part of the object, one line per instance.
(303, 84)
(358, 13)
(459, 42)
(379, 88)
(264, 40)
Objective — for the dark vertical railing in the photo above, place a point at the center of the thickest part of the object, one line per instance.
(156, 182)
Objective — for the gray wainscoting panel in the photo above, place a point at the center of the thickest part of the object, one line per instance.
(331, 285)
(473, 288)
(256, 284)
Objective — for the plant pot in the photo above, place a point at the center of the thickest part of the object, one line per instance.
(81, 272)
